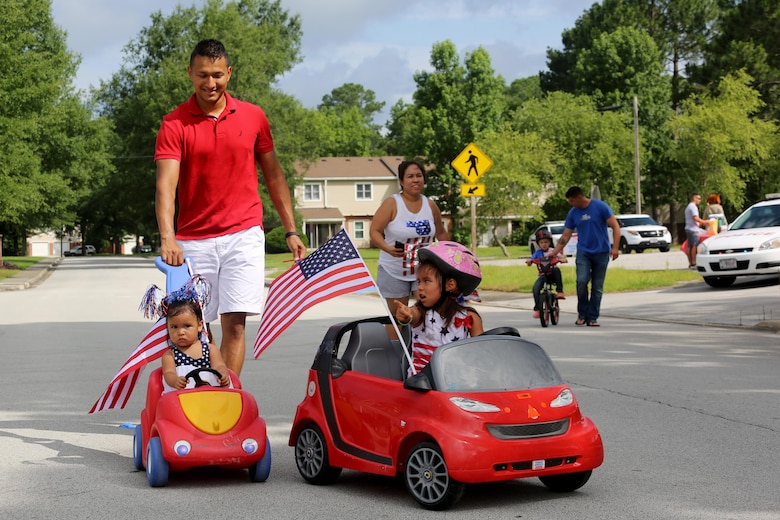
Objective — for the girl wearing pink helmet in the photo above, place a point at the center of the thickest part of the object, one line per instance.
(447, 272)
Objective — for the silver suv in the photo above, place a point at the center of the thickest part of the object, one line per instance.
(640, 232)
(76, 251)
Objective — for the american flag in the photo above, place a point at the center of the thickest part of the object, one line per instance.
(335, 268)
(152, 347)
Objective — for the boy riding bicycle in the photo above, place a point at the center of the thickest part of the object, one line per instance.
(544, 240)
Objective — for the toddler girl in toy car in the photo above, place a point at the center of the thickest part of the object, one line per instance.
(446, 274)
(188, 344)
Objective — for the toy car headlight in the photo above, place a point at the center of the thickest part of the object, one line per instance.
(565, 398)
(182, 448)
(250, 446)
(470, 405)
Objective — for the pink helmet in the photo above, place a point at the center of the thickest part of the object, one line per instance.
(455, 261)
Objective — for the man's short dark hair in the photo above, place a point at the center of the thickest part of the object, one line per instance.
(574, 192)
(210, 49)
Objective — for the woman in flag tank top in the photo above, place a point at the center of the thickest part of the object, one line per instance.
(403, 223)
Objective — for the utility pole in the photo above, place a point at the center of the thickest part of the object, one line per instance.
(636, 156)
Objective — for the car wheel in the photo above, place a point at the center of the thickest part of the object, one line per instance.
(260, 470)
(138, 448)
(664, 249)
(624, 246)
(566, 483)
(719, 282)
(156, 465)
(311, 457)
(428, 480)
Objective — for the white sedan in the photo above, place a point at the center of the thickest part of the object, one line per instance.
(750, 246)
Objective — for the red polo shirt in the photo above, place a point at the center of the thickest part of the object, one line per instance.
(217, 191)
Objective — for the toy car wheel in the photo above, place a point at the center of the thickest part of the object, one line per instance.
(311, 457)
(138, 448)
(156, 465)
(428, 480)
(566, 483)
(259, 471)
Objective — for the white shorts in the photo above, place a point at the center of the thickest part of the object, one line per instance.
(235, 266)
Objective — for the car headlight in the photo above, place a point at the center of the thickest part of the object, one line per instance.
(565, 398)
(770, 244)
(703, 247)
(470, 405)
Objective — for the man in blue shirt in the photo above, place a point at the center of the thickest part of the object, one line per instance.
(590, 217)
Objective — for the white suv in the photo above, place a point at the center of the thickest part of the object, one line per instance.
(640, 232)
(750, 246)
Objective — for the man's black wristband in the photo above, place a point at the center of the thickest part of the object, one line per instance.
(291, 234)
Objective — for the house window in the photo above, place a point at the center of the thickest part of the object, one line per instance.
(363, 191)
(311, 192)
(360, 227)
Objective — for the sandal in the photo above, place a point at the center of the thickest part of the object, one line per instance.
(580, 321)
(593, 324)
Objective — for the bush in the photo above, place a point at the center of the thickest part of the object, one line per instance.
(276, 243)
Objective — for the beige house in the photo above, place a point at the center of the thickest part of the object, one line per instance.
(344, 192)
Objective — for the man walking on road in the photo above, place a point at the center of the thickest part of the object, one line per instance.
(207, 154)
(590, 217)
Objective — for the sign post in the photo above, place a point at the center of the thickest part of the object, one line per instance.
(472, 163)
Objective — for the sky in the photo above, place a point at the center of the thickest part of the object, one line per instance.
(379, 44)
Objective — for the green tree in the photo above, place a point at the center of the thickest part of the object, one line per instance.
(522, 162)
(345, 120)
(452, 104)
(720, 143)
(747, 39)
(263, 42)
(54, 151)
(590, 147)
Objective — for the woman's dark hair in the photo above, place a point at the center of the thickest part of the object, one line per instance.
(178, 307)
(447, 306)
(210, 49)
(403, 167)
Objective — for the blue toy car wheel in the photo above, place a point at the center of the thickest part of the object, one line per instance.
(138, 448)
(156, 465)
(259, 471)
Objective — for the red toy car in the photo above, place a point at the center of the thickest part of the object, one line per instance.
(201, 426)
(485, 409)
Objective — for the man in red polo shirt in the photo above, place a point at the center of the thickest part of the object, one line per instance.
(207, 154)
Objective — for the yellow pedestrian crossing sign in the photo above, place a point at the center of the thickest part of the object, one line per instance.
(472, 190)
(471, 163)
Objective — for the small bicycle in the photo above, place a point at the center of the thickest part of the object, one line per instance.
(548, 297)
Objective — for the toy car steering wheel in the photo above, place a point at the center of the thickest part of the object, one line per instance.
(195, 375)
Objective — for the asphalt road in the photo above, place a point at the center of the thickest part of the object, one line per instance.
(688, 408)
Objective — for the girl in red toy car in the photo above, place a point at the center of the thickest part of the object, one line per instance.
(447, 273)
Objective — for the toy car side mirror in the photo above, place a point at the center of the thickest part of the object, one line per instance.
(419, 383)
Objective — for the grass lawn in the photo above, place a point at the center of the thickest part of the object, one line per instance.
(521, 279)
(495, 277)
(21, 262)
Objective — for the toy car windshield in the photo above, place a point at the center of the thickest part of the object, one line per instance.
(492, 364)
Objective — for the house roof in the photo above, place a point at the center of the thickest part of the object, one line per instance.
(321, 214)
(351, 168)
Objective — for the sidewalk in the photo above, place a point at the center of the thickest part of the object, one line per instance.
(32, 276)
(692, 303)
